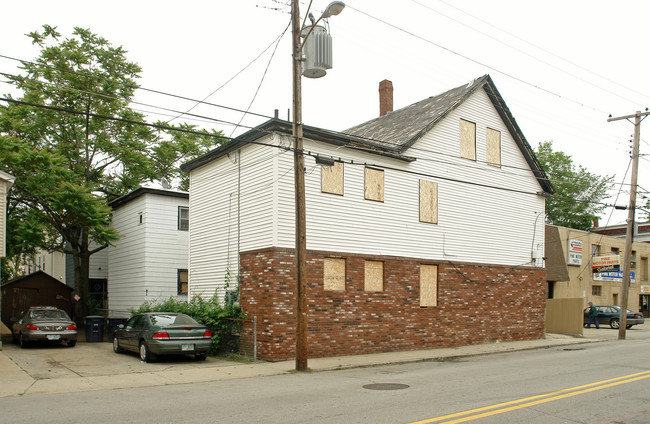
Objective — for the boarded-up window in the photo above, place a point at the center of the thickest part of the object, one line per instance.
(334, 274)
(428, 201)
(374, 278)
(331, 178)
(467, 139)
(428, 285)
(493, 139)
(374, 184)
(182, 281)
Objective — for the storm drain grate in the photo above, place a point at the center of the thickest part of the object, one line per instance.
(572, 349)
(386, 386)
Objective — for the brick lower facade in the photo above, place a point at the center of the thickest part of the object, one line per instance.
(477, 303)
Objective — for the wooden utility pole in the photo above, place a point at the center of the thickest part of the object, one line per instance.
(299, 180)
(627, 256)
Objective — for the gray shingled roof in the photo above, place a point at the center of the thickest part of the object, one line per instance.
(401, 128)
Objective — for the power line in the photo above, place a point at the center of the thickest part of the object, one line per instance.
(135, 86)
(582, 104)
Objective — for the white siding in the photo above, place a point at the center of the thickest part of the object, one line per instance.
(477, 221)
(144, 262)
(217, 230)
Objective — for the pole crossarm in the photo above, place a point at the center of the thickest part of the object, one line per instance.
(639, 114)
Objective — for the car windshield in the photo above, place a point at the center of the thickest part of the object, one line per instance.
(48, 314)
(165, 320)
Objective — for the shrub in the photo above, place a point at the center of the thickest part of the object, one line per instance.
(219, 319)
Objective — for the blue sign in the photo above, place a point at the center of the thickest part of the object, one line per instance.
(612, 276)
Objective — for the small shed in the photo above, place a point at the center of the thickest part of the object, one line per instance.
(34, 289)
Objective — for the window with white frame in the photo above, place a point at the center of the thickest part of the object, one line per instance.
(183, 218)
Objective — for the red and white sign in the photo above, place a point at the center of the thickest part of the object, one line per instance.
(606, 263)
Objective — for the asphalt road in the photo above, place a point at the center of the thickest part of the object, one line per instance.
(606, 382)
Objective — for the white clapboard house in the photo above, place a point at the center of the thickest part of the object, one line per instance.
(149, 261)
(425, 228)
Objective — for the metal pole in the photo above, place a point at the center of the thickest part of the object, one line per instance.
(629, 238)
(299, 179)
(255, 338)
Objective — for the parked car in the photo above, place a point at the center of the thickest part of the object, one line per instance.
(162, 333)
(610, 315)
(44, 323)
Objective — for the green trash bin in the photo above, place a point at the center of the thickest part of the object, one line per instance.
(112, 324)
(94, 325)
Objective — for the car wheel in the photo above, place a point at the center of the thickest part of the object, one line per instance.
(629, 326)
(21, 341)
(116, 345)
(145, 354)
(14, 338)
(201, 356)
(71, 343)
(614, 323)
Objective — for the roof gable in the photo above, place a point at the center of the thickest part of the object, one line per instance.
(394, 133)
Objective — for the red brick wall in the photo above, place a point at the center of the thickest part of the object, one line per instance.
(476, 304)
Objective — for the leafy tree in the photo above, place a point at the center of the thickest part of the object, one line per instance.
(578, 194)
(73, 145)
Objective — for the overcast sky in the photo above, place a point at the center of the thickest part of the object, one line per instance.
(561, 66)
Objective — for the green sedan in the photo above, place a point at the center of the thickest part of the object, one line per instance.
(153, 334)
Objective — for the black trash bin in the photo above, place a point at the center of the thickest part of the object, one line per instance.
(112, 324)
(94, 325)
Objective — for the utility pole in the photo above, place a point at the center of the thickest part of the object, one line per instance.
(627, 256)
(299, 179)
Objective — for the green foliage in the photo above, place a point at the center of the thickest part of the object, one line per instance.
(578, 194)
(221, 320)
(74, 145)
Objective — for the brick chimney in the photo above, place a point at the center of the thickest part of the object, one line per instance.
(385, 97)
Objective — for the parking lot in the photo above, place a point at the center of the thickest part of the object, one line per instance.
(45, 360)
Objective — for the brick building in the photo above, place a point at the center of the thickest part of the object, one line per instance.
(424, 228)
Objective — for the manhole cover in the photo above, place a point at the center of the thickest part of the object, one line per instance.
(386, 386)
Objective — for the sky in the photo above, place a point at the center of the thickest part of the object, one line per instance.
(562, 67)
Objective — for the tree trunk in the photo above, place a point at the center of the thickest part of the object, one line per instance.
(81, 260)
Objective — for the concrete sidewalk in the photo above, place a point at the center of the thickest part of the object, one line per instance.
(93, 366)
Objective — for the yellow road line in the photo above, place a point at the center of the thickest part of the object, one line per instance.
(536, 400)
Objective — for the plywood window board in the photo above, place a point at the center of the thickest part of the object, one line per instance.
(374, 184)
(493, 140)
(467, 139)
(332, 178)
(428, 286)
(374, 276)
(334, 274)
(428, 201)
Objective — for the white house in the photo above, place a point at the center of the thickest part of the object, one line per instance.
(149, 262)
(426, 231)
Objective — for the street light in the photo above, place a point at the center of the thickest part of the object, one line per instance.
(332, 9)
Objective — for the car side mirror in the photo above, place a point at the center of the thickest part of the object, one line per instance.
(120, 326)
(14, 319)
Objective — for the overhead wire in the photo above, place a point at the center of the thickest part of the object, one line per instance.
(263, 77)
